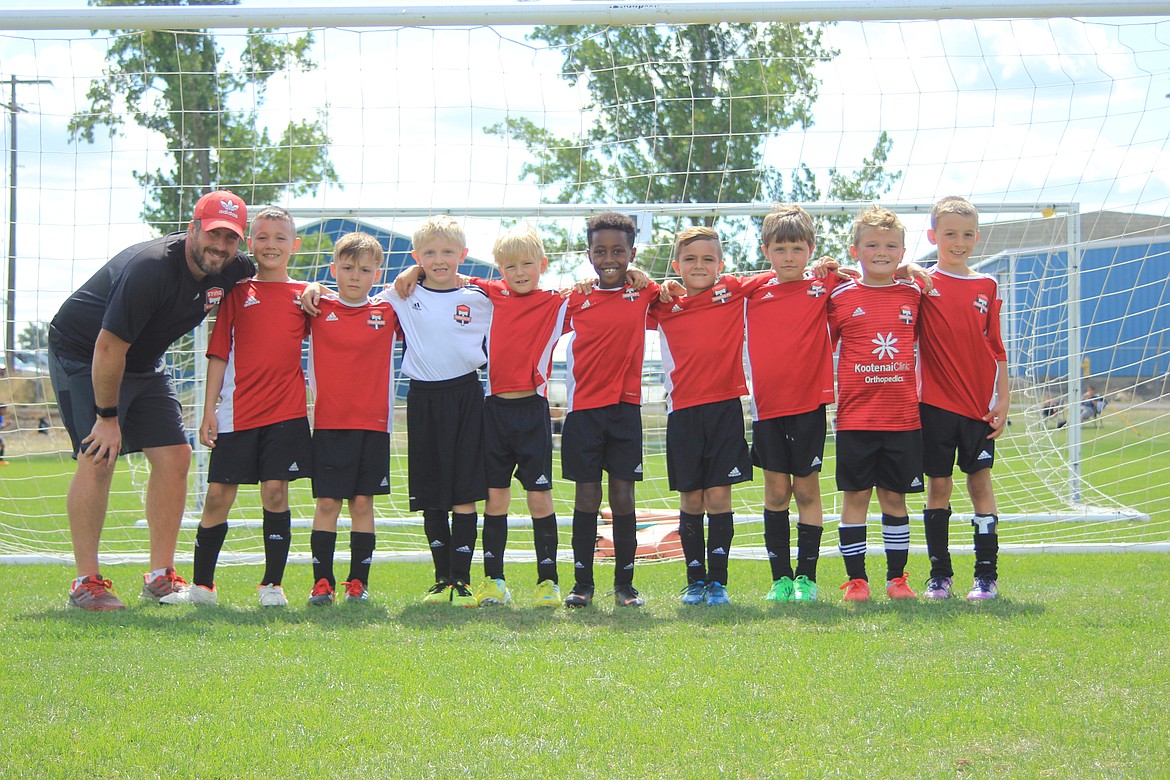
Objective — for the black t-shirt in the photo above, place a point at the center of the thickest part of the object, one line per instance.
(146, 296)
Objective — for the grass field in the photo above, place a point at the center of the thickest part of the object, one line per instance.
(1067, 675)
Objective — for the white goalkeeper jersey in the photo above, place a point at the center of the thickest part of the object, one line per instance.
(444, 331)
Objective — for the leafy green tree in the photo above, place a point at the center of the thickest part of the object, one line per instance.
(34, 336)
(681, 114)
(183, 86)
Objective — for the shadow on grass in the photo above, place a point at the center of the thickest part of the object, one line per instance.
(925, 612)
(428, 617)
(188, 619)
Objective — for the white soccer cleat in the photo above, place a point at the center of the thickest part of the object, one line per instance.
(271, 596)
(199, 595)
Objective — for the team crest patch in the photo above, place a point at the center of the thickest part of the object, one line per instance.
(906, 315)
(463, 314)
(376, 321)
(720, 293)
(816, 289)
(981, 303)
(630, 294)
(212, 298)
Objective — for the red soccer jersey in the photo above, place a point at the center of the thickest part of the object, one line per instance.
(524, 330)
(702, 345)
(790, 353)
(604, 353)
(877, 382)
(959, 343)
(258, 332)
(350, 365)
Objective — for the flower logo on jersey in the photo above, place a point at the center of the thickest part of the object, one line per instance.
(212, 298)
(981, 303)
(630, 294)
(376, 321)
(816, 289)
(906, 315)
(463, 314)
(720, 294)
(885, 346)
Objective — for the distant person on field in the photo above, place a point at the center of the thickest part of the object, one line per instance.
(1092, 404)
(106, 347)
(254, 418)
(4, 424)
(965, 396)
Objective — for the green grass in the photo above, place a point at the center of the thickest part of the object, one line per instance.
(1065, 676)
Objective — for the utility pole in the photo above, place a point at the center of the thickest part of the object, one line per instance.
(10, 312)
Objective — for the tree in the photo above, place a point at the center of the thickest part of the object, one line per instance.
(182, 86)
(34, 336)
(680, 114)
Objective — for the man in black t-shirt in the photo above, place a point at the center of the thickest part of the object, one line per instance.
(106, 347)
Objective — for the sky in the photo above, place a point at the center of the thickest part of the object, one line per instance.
(1027, 111)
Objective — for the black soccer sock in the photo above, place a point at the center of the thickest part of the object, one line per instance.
(463, 535)
(438, 532)
(277, 540)
(584, 545)
(625, 548)
(495, 539)
(937, 525)
(808, 550)
(544, 540)
(690, 533)
(323, 544)
(720, 532)
(986, 545)
(777, 533)
(361, 556)
(896, 539)
(208, 543)
(851, 543)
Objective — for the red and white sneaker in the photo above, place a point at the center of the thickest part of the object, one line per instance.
(166, 584)
(94, 594)
(856, 590)
(355, 590)
(322, 594)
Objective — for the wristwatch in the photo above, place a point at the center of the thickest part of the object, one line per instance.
(105, 411)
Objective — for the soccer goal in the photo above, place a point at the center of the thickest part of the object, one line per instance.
(674, 112)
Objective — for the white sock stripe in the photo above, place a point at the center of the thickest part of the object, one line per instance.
(858, 548)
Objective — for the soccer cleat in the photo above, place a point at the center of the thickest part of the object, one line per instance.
(898, 588)
(626, 595)
(492, 591)
(199, 595)
(782, 590)
(322, 594)
(984, 588)
(95, 595)
(694, 593)
(355, 590)
(461, 595)
(856, 590)
(271, 596)
(439, 593)
(938, 588)
(717, 594)
(548, 594)
(804, 589)
(580, 596)
(164, 585)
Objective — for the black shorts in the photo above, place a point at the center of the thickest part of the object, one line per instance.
(281, 451)
(794, 444)
(148, 408)
(705, 446)
(517, 438)
(891, 460)
(608, 438)
(444, 442)
(946, 435)
(350, 463)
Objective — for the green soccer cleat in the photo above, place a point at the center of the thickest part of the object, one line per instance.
(492, 591)
(804, 589)
(439, 593)
(461, 596)
(548, 594)
(782, 590)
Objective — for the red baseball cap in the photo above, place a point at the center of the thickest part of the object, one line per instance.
(222, 209)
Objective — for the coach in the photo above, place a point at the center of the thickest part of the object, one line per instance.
(106, 348)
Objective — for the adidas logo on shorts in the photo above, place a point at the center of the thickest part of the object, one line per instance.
(294, 467)
(916, 483)
(816, 462)
(638, 469)
(384, 483)
(735, 472)
(985, 455)
(541, 480)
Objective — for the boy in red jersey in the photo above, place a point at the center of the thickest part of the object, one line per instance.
(603, 426)
(965, 395)
(352, 415)
(879, 438)
(788, 407)
(254, 418)
(706, 452)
